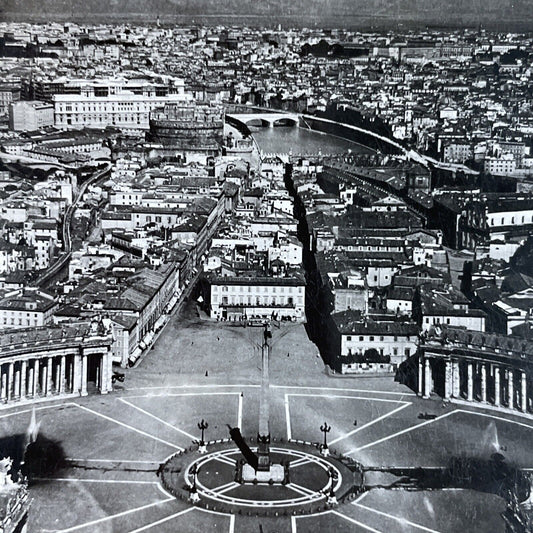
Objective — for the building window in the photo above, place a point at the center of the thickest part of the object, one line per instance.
(361, 339)
(349, 338)
(371, 339)
(407, 352)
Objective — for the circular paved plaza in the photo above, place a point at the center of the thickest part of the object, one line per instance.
(214, 480)
(112, 447)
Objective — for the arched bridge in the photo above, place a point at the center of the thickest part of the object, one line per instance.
(264, 119)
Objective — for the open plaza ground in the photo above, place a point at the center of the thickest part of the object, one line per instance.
(199, 369)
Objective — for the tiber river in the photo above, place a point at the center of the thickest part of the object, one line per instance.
(302, 141)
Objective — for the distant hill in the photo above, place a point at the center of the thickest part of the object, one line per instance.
(342, 13)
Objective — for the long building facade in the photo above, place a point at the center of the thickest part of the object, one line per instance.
(55, 361)
(456, 363)
(240, 298)
(124, 110)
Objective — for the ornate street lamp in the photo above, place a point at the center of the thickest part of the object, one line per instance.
(331, 498)
(325, 429)
(202, 426)
(194, 497)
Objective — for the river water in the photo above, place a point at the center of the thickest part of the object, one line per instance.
(303, 141)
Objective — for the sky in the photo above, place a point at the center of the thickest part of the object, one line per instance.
(341, 13)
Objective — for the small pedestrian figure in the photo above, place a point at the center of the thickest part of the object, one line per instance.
(218, 338)
(355, 422)
(192, 342)
(288, 354)
(206, 373)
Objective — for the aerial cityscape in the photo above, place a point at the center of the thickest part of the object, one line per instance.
(264, 276)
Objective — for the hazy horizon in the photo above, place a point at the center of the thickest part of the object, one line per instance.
(325, 13)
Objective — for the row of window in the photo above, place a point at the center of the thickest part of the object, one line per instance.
(68, 108)
(21, 313)
(20, 322)
(436, 320)
(366, 365)
(114, 119)
(240, 288)
(493, 220)
(259, 301)
(371, 338)
(406, 352)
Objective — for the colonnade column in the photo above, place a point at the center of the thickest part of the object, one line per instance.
(11, 368)
(44, 373)
(84, 375)
(23, 378)
(4, 383)
(106, 363)
(420, 376)
(470, 382)
(510, 389)
(36, 376)
(62, 369)
(76, 383)
(72, 374)
(31, 375)
(427, 378)
(483, 382)
(100, 382)
(497, 390)
(16, 390)
(523, 392)
(448, 379)
(50, 376)
(58, 377)
(456, 380)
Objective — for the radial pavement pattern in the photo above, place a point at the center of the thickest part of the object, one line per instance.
(113, 447)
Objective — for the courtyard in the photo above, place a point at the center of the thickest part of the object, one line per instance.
(202, 370)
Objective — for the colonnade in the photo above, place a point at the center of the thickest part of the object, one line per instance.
(472, 380)
(54, 375)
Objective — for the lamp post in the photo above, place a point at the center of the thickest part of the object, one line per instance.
(202, 426)
(333, 476)
(325, 429)
(193, 492)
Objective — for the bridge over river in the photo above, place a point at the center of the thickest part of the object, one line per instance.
(282, 118)
(265, 119)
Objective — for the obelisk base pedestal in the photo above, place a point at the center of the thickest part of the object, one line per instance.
(274, 475)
